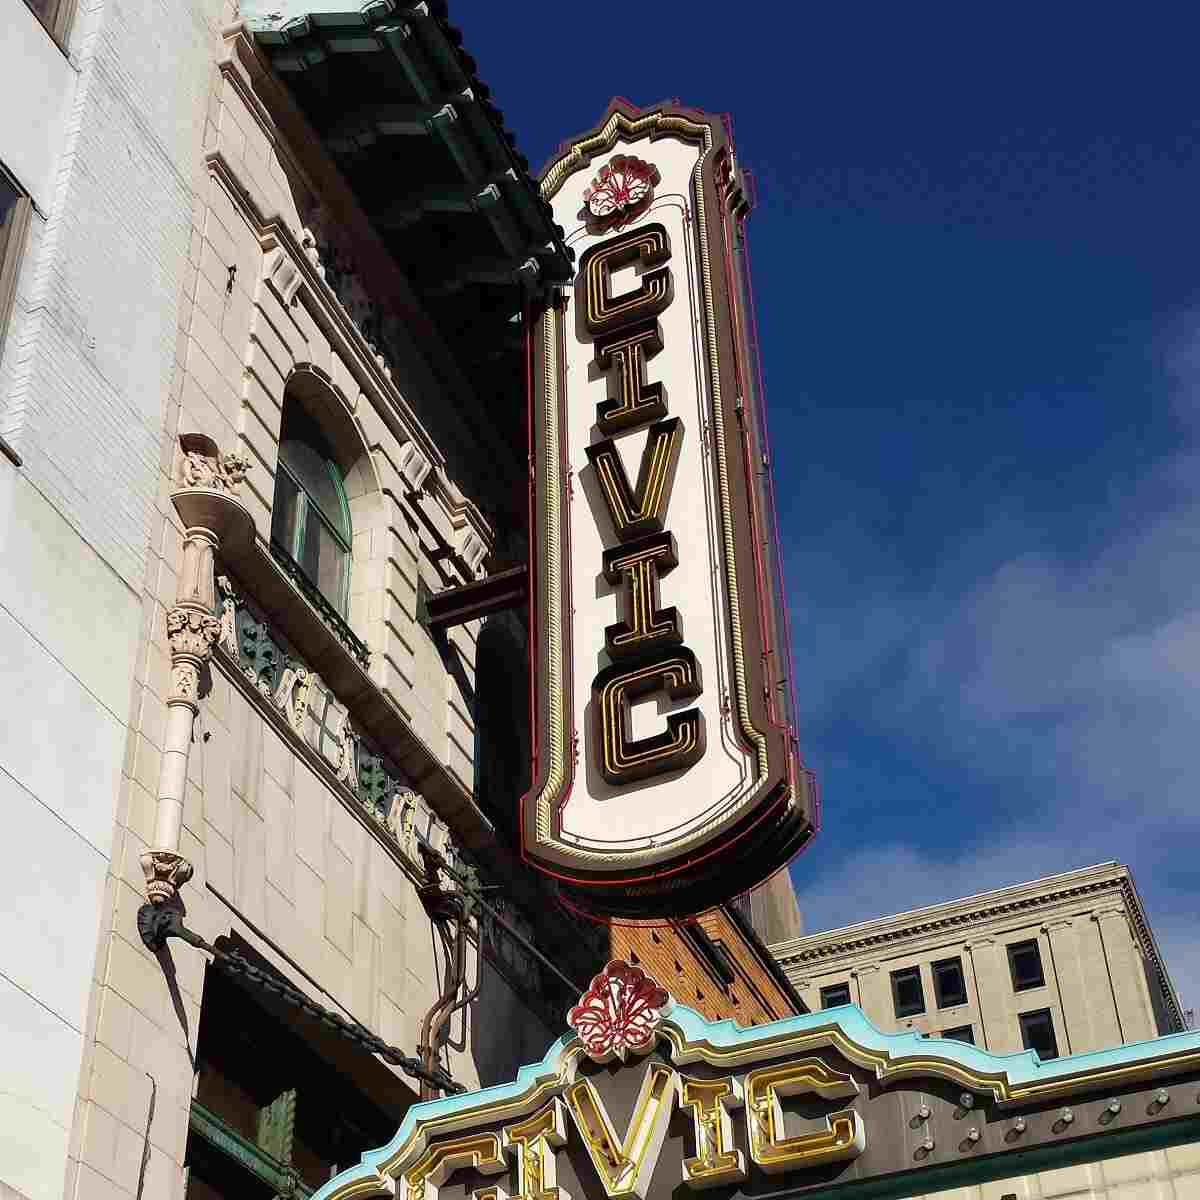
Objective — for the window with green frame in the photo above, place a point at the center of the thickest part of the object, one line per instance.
(310, 518)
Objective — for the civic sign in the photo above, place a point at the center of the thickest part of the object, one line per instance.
(666, 776)
(646, 1100)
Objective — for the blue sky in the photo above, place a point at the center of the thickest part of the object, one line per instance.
(978, 286)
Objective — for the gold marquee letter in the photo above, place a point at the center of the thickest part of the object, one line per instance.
(625, 1169)
(435, 1165)
(644, 511)
(603, 312)
(646, 626)
(842, 1138)
(624, 356)
(621, 758)
(533, 1143)
(717, 1160)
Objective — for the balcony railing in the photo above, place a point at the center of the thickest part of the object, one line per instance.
(330, 615)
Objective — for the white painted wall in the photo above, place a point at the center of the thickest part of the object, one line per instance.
(66, 660)
(38, 83)
(108, 145)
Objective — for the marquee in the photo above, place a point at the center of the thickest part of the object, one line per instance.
(646, 1100)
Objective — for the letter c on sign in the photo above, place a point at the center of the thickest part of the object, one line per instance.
(621, 758)
(605, 313)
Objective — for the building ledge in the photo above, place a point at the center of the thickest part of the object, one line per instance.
(287, 608)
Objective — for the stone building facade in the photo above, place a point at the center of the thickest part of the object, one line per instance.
(1064, 965)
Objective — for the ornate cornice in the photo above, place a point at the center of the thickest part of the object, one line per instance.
(1122, 884)
(369, 367)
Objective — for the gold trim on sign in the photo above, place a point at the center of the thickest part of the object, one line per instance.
(556, 776)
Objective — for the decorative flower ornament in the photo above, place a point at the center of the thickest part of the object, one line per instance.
(623, 188)
(620, 1012)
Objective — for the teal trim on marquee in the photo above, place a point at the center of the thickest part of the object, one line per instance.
(699, 1034)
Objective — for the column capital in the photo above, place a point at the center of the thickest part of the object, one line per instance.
(980, 941)
(1059, 923)
(864, 970)
(166, 872)
(191, 632)
(1102, 914)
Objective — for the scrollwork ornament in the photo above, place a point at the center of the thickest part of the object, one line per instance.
(347, 754)
(291, 697)
(402, 821)
(228, 639)
(620, 1012)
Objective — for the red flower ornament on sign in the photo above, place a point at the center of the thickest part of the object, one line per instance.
(621, 191)
(619, 1013)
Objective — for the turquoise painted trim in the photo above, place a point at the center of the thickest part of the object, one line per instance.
(1019, 1069)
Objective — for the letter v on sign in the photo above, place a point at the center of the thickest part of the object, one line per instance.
(643, 511)
(625, 1169)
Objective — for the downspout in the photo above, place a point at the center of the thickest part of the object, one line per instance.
(211, 514)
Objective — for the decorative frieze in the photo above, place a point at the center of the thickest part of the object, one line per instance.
(400, 813)
(316, 716)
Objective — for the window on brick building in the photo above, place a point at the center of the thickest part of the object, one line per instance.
(15, 208)
(960, 1033)
(711, 952)
(907, 995)
(310, 517)
(949, 985)
(1037, 1033)
(835, 994)
(1025, 963)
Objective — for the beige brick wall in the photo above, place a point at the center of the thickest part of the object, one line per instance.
(1094, 967)
(278, 841)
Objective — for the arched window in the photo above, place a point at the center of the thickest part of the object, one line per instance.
(310, 519)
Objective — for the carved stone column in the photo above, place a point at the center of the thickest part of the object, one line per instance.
(210, 514)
